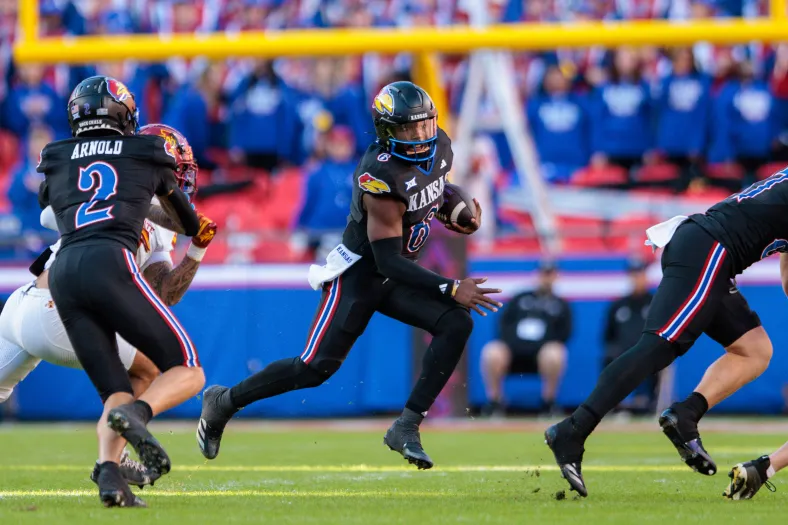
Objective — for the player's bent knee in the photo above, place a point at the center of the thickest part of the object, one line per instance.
(755, 345)
(316, 372)
(457, 323)
(198, 377)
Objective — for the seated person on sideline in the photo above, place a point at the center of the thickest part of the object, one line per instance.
(534, 328)
(625, 320)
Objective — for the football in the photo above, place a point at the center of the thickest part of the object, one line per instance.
(457, 206)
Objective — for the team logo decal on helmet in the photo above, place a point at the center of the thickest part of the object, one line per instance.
(384, 102)
(369, 183)
(118, 90)
(170, 144)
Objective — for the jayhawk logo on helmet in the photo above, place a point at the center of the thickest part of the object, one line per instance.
(118, 90)
(384, 103)
(369, 183)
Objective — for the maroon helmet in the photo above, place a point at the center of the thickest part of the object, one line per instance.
(178, 147)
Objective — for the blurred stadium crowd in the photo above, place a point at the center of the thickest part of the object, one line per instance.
(277, 140)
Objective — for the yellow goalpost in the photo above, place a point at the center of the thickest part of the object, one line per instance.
(422, 42)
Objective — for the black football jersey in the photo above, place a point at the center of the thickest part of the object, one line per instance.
(379, 173)
(100, 188)
(753, 224)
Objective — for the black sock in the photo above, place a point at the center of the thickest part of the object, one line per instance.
(410, 417)
(448, 342)
(585, 420)
(690, 411)
(695, 405)
(275, 379)
(144, 410)
(650, 355)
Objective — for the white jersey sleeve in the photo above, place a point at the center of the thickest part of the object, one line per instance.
(156, 245)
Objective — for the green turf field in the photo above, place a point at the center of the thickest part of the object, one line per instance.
(269, 473)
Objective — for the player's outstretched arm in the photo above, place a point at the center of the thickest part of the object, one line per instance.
(177, 204)
(166, 219)
(384, 229)
(171, 283)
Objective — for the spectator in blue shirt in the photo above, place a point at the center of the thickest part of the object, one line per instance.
(329, 189)
(23, 191)
(745, 126)
(32, 102)
(559, 124)
(683, 106)
(195, 111)
(262, 119)
(620, 114)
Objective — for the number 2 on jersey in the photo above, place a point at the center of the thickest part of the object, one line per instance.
(105, 185)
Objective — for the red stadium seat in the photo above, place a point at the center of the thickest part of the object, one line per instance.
(708, 194)
(662, 173)
(600, 177)
(514, 245)
(9, 149)
(726, 172)
(767, 170)
(286, 191)
(653, 192)
(628, 233)
(581, 234)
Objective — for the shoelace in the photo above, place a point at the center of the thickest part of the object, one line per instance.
(127, 462)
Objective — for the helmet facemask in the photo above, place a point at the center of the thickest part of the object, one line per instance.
(414, 141)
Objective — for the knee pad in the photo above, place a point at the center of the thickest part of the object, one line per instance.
(315, 373)
(456, 323)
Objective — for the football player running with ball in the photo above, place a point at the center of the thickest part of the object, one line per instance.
(398, 189)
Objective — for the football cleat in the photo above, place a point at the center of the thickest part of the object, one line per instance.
(132, 471)
(691, 451)
(115, 492)
(126, 422)
(748, 478)
(568, 451)
(213, 419)
(406, 440)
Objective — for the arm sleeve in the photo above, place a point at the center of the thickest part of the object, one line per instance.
(391, 263)
(39, 265)
(180, 202)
